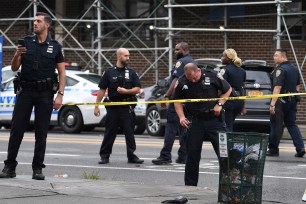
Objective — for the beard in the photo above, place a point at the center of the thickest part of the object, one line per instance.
(179, 56)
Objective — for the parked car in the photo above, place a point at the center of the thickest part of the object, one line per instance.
(7, 73)
(80, 87)
(258, 82)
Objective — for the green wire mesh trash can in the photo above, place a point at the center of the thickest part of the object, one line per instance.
(242, 161)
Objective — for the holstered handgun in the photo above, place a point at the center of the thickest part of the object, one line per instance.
(222, 115)
(17, 83)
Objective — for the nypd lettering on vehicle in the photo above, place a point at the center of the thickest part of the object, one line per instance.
(72, 95)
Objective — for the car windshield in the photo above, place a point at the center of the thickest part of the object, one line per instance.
(258, 77)
(94, 78)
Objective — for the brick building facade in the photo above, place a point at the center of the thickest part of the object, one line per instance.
(249, 45)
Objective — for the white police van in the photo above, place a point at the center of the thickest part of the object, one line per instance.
(80, 87)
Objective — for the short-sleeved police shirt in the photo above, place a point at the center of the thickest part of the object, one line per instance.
(115, 77)
(287, 76)
(178, 69)
(41, 59)
(234, 75)
(207, 87)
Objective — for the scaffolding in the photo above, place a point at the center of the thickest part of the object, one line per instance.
(98, 56)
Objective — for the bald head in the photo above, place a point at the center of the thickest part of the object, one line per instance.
(181, 49)
(192, 72)
(123, 57)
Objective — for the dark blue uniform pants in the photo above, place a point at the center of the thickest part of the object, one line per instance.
(173, 128)
(198, 131)
(118, 116)
(43, 105)
(232, 110)
(284, 113)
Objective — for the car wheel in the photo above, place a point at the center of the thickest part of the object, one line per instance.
(71, 120)
(89, 128)
(153, 124)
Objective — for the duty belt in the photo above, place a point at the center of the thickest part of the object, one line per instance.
(207, 115)
(40, 85)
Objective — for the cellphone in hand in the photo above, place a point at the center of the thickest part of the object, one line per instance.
(21, 42)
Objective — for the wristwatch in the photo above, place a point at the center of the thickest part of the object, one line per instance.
(60, 92)
(220, 104)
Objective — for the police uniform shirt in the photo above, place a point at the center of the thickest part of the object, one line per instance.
(178, 69)
(287, 76)
(119, 77)
(40, 60)
(234, 75)
(207, 87)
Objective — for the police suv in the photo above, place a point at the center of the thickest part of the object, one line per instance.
(72, 117)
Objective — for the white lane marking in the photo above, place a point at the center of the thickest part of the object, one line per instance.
(302, 165)
(64, 155)
(3, 152)
(156, 170)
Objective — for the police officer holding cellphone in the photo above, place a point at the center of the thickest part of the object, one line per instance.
(38, 56)
(202, 119)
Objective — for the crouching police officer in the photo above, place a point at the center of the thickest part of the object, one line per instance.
(202, 119)
(123, 84)
(38, 56)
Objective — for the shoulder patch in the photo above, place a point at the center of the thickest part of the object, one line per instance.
(220, 76)
(178, 64)
(222, 71)
(278, 72)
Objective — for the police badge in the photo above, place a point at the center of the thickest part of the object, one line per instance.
(178, 64)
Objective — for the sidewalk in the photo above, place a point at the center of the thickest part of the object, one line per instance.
(23, 189)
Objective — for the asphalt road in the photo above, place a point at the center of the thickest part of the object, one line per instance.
(76, 155)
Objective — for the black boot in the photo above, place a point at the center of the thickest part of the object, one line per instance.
(8, 173)
(38, 175)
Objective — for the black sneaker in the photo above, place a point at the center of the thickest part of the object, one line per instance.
(8, 173)
(161, 161)
(104, 161)
(38, 175)
(135, 160)
(180, 161)
(272, 154)
(300, 153)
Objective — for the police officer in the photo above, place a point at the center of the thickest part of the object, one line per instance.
(202, 119)
(123, 84)
(38, 57)
(173, 126)
(286, 79)
(236, 77)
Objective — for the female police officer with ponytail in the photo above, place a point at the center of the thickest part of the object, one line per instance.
(236, 77)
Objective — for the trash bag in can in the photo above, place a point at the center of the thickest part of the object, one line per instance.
(242, 160)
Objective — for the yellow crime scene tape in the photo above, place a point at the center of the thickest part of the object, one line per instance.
(177, 101)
